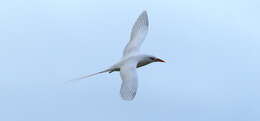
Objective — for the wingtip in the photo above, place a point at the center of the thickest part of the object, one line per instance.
(144, 16)
(144, 13)
(127, 96)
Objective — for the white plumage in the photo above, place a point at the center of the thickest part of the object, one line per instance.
(132, 59)
(138, 34)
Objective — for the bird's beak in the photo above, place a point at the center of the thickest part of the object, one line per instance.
(159, 60)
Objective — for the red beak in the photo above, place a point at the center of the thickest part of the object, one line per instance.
(159, 60)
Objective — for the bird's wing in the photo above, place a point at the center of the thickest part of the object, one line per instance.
(138, 34)
(129, 77)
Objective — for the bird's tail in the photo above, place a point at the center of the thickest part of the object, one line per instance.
(86, 76)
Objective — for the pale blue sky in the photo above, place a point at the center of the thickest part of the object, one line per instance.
(211, 47)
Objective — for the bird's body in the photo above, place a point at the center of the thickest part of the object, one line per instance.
(132, 59)
(141, 60)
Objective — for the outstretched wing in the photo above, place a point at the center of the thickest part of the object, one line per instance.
(138, 34)
(129, 81)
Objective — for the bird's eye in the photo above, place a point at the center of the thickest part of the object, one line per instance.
(152, 58)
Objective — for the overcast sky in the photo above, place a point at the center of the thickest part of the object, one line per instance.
(211, 48)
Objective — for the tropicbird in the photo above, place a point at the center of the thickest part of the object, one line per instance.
(131, 59)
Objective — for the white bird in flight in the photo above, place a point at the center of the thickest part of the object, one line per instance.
(132, 59)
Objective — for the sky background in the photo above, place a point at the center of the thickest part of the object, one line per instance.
(211, 48)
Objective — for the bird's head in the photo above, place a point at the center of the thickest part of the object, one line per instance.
(155, 59)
